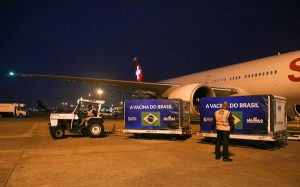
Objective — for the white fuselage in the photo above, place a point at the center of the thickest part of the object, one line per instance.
(277, 75)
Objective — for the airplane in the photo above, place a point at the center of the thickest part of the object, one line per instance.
(277, 75)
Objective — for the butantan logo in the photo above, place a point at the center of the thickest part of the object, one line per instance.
(131, 118)
(150, 118)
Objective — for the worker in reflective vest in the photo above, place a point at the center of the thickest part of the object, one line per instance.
(223, 121)
(90, 113)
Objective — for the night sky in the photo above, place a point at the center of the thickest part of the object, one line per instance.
(99, 39)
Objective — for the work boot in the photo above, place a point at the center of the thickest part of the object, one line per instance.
(227, 160)
(217, 157)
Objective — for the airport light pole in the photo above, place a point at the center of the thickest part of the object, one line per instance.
(100, 92)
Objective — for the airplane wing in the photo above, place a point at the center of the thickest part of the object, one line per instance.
(158, 88)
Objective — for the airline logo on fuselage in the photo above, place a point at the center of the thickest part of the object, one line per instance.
(295, 67)
(138, 73)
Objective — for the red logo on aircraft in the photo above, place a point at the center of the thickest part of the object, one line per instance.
(139, 74)
(138, 70)
(294, 67)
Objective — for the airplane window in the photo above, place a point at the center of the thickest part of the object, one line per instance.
(267, 73)
(239, 77)
(263, 73)
(259, 74)
(252, 75)
(255, 74)
(245, 76)
(271, 72)
(275, 71)
(249, 76)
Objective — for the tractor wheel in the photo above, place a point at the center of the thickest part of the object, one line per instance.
(95, 129)
(57, 132)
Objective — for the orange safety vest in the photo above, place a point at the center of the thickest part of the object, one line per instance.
(90, 113)
(222, 120)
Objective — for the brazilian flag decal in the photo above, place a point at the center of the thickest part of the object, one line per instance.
(238, 119)
(150, 118)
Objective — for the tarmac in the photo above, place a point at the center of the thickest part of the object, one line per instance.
(30, 157)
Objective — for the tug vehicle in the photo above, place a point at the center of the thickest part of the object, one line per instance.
(78, 122)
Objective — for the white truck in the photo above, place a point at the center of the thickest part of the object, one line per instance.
(13, 109)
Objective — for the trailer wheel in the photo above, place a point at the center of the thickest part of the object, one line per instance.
(173, 137)
(95, 129)
(20, 115)
(136, 136)
(57, 132)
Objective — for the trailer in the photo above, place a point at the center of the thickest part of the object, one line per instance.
(157, 116)
(256, 117)
(13, 109)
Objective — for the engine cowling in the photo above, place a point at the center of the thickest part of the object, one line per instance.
(192, 93)
(297, 109)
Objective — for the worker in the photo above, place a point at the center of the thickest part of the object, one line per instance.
(90, 113)
(223, 121)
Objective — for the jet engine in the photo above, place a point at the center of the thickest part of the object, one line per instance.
(192, 93)
(297, 109)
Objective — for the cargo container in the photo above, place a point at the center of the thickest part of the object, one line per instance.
(256, 117)
(157, 116)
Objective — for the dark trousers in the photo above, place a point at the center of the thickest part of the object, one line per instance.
(222, 137)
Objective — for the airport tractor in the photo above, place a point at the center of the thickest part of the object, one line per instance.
(77, 121)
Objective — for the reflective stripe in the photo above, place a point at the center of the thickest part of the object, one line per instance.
(222, 119)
